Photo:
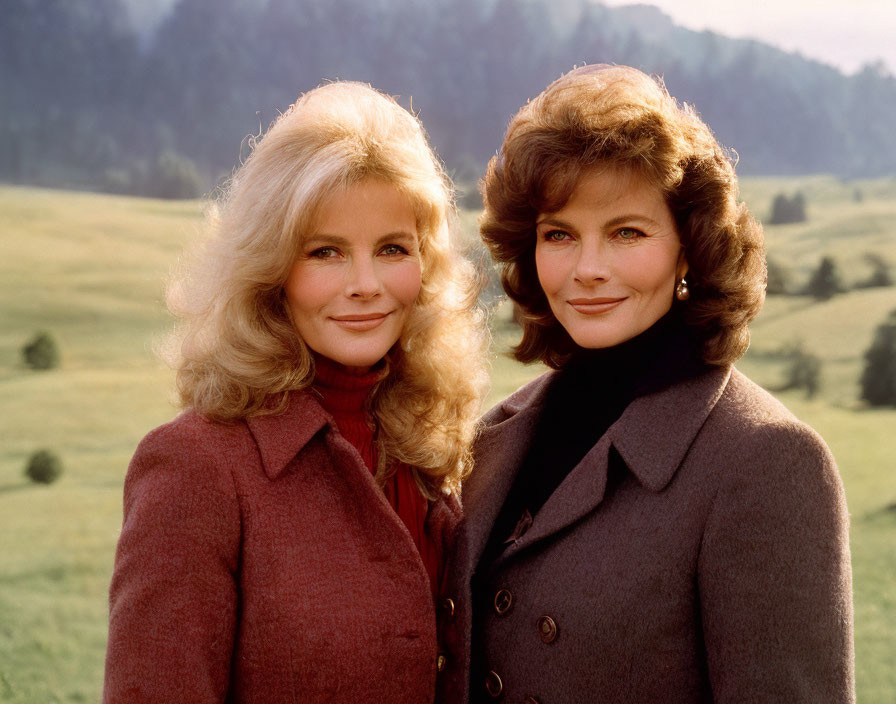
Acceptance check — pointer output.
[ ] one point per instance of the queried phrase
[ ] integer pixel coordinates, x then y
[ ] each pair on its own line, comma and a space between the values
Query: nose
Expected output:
362, 279
592, 263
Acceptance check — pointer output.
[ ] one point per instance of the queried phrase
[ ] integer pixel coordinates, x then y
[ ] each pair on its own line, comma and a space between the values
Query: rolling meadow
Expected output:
90, 270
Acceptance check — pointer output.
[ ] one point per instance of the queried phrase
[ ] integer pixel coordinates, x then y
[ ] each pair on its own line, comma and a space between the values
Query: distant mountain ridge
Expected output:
89, 101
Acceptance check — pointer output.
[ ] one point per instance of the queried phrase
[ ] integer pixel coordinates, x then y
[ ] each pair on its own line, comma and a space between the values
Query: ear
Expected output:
682, 268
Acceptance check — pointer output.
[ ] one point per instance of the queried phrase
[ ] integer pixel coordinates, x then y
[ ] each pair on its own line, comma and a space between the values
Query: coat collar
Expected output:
280, 437
652, 436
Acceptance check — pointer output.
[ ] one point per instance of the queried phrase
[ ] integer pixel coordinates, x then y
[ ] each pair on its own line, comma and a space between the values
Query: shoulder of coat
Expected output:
749, 417
528, 395
193, 435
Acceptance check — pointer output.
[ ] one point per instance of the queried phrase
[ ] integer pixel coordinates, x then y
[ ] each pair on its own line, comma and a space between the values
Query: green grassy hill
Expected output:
90, 270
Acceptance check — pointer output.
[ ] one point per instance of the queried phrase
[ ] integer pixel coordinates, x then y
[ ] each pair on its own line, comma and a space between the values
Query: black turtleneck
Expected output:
584, 399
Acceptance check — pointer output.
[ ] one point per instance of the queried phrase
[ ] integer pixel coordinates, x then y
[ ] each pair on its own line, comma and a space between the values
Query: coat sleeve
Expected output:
774, 575
173, 592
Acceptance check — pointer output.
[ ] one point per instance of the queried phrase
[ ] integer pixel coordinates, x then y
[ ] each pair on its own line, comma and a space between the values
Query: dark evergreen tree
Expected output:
825, 281
878, 380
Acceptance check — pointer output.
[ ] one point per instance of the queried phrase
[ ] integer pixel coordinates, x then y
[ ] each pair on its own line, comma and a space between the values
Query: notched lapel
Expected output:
280, 437
656, 431
652, 436
499, 451
578, 494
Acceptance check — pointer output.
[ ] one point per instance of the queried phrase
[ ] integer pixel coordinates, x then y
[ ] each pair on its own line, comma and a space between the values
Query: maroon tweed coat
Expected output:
260, 563
705, 559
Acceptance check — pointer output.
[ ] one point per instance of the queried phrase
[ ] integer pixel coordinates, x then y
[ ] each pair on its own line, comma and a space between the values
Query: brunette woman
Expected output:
284, 536
643, 524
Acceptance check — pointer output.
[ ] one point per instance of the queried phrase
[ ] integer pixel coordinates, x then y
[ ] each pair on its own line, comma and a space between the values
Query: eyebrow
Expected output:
323, 238
556, 222
632, 217
613, 222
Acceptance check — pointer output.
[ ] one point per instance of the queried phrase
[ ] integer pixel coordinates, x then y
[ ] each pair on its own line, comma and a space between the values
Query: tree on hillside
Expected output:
825, 282
878, 380
787, 210
803, 370
880, 272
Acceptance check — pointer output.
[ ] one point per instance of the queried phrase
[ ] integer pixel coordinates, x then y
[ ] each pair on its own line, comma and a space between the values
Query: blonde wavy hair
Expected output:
616, 115
236, 350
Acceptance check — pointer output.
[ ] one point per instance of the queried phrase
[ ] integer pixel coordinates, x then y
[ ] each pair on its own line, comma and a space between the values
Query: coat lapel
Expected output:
280, 436
500, 448
652, 436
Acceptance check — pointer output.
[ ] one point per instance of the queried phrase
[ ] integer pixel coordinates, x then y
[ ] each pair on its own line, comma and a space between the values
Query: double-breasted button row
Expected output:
547, 629
503, 601
493, 684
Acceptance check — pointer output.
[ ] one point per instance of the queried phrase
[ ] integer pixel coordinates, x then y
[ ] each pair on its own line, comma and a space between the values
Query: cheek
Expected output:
550, 269
305, 291
653, 272
405, 282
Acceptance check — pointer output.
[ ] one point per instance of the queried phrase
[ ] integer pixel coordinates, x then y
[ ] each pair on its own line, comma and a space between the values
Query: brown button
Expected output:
547, 629
441, 663
493, 684
503, 600
447, 605
533, 700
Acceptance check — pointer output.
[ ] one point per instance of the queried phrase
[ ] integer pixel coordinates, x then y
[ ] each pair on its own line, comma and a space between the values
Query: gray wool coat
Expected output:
706, 559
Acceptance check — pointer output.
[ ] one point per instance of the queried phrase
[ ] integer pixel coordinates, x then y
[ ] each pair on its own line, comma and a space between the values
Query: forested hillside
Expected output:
113, 95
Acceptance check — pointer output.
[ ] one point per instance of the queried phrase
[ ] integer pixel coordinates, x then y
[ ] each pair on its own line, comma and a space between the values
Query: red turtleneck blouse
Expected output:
344, 396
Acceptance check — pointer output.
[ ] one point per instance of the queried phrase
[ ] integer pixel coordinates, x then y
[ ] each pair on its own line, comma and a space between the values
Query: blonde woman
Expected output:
283, 537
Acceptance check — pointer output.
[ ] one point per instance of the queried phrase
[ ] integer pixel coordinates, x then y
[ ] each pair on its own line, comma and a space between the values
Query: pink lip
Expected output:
360, 323
594, 306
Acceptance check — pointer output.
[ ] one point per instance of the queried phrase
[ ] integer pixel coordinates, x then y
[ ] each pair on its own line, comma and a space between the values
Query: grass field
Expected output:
90, 269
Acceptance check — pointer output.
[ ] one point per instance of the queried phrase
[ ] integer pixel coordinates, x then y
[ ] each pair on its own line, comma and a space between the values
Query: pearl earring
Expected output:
681, 290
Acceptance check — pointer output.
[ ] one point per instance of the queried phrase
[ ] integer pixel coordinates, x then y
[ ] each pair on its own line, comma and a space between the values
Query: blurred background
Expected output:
118, 119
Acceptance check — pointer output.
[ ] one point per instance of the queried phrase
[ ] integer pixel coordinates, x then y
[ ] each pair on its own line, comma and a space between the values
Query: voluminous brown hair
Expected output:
237, 351
596, 116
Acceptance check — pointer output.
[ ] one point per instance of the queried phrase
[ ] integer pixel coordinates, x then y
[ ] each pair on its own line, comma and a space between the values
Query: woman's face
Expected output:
608, 260
357, 275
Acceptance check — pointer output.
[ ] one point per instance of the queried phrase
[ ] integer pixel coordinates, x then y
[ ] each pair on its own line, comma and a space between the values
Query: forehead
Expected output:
366, 206
610, 187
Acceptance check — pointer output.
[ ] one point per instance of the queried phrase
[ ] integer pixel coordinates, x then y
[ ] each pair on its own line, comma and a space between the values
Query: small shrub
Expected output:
787, 210
44, 467
825, 282
878, 380
41, 352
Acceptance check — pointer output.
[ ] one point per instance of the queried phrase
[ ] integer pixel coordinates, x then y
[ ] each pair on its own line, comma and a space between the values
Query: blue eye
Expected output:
629, 234
555, 236
393, 249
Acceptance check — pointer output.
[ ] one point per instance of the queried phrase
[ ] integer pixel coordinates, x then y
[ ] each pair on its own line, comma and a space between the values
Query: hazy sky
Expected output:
845, 33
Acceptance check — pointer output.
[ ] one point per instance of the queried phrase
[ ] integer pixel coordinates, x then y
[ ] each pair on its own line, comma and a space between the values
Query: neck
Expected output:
343, 389
658, 357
